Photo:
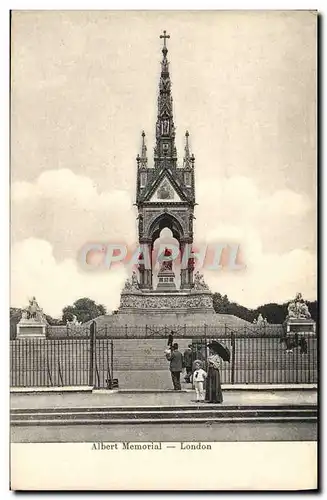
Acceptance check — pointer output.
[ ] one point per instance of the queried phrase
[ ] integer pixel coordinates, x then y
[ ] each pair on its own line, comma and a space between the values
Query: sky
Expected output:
83, 87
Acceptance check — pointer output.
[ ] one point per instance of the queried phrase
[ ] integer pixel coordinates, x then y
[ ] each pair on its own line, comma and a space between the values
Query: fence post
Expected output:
205, 343
106, 330
92, 350
233, 358
297, 359
112, 358
308, 381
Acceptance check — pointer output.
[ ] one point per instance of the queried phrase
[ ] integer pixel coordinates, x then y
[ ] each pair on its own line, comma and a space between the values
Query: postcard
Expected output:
164, 318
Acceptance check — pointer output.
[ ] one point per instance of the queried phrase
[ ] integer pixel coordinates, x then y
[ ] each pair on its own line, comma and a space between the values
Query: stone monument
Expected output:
170, 293
165, 198
33, 322
298, 319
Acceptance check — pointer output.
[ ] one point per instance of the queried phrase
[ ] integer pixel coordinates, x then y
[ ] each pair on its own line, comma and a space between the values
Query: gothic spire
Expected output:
142, 160
187, 156
188, 161
165, 151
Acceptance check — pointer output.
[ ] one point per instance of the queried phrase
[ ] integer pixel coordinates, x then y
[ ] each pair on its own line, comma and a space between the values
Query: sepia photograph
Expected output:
163, 274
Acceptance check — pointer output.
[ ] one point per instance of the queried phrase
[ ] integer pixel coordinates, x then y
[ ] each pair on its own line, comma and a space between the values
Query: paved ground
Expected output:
231, 397
165, 432
269, 372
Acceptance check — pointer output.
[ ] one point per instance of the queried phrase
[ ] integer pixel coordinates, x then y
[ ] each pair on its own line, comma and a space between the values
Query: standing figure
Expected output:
165, 127
170, 339
199, 377
187, 359
176, 366
213, 386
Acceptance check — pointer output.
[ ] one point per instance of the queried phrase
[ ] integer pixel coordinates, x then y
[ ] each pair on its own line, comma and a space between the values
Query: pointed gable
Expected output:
165, 190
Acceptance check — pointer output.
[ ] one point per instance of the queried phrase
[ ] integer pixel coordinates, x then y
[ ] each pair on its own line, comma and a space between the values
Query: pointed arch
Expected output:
162, 221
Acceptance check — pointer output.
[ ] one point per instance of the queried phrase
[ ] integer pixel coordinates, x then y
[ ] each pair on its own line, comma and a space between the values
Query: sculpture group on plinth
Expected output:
298, 309
199, 283
131, 283
260, 320
33, 321
298, 322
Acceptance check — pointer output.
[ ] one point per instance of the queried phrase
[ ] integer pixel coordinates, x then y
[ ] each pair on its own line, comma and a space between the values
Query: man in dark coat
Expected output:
176, 366
188, 359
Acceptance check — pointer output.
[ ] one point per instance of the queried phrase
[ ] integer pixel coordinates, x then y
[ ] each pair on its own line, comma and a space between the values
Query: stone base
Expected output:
156, 302
166, 281
300, 326
31, 330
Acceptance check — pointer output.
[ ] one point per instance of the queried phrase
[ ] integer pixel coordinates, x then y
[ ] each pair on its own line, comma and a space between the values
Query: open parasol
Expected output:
220, 349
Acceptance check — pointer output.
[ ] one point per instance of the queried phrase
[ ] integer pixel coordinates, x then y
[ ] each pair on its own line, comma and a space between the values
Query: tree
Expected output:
275, 313
220, 303
15, 317
84, 309
54, 321
313, 309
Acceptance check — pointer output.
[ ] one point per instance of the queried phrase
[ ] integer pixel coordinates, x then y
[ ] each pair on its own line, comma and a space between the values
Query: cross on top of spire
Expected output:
164, 50
164, 36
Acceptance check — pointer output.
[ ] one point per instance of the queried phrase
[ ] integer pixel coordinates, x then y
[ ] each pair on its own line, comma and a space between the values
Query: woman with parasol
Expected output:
213, 384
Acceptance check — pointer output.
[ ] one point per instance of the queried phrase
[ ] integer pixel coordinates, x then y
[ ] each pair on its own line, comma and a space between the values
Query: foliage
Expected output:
54, 321
15, 317
84, 309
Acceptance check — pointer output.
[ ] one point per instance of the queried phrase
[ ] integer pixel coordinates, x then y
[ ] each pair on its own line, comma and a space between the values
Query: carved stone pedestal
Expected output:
166, 281
30, 328
300, 325
156, 302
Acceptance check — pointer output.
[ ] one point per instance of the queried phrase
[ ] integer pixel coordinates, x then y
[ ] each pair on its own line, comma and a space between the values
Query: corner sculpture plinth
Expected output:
33, 322
298, 320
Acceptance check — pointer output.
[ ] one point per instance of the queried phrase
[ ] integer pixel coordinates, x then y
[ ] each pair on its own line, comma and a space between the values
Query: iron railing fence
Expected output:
267, 360
161, 331
96, 359
63, 362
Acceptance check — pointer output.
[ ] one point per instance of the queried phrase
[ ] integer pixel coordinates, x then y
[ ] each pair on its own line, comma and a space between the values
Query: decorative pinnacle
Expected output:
187, 148
143, 153
164, 36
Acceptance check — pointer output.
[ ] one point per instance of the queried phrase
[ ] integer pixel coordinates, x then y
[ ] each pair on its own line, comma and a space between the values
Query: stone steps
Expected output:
197, 413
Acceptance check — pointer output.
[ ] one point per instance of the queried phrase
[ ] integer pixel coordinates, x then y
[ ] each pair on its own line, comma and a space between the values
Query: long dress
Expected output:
213, 385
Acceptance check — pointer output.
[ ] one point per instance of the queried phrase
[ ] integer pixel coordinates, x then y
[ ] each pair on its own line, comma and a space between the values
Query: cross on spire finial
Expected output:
164, 36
